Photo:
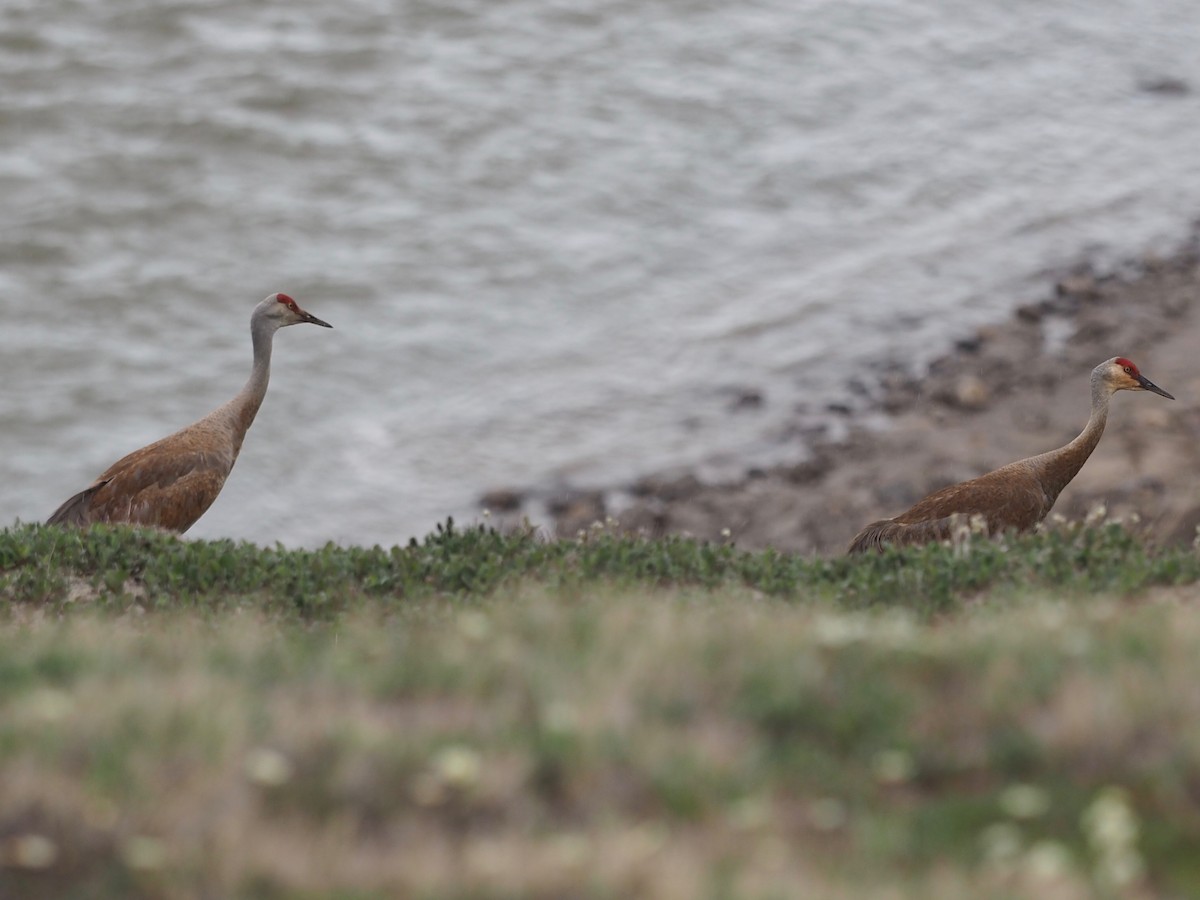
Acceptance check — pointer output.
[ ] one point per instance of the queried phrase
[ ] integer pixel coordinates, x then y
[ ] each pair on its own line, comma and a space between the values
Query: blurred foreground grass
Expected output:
490, 716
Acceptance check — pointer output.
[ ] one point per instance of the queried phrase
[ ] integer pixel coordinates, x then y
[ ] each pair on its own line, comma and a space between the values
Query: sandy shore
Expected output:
1009, 391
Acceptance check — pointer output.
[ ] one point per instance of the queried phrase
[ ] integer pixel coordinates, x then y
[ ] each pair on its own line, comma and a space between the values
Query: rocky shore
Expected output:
1008, 391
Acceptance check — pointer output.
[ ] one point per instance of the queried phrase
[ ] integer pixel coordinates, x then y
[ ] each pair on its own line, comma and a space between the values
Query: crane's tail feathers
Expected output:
74, 511
879, 534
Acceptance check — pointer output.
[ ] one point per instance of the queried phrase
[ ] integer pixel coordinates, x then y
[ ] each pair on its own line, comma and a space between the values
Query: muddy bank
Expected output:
1007, 391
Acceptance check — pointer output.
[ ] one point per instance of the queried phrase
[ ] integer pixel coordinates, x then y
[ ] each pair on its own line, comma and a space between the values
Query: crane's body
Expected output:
1015, 497
171, 483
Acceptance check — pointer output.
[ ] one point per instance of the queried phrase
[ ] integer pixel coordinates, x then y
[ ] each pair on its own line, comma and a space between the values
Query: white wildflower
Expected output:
49, 704
1024, 801
474, 625
1112, 829
838, 631
268, 767
1048, 861
33, 851
893, 766
458, 766
144, 853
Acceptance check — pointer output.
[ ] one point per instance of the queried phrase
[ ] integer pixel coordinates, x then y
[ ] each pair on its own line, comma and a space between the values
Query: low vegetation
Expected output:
481, 715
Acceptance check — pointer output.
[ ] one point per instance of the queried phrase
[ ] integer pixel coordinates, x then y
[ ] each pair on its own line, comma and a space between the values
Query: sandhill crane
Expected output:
171, 483
1017, 496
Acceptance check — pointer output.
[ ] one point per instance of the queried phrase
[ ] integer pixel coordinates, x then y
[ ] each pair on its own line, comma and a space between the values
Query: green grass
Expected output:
483, 715
114, 566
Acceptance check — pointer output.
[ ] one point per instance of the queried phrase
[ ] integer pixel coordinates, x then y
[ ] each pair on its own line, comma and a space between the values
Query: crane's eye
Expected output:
1128, 371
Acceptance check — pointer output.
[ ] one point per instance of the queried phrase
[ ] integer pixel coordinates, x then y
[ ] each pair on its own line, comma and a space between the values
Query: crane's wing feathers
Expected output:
879, 534
75, 510
169, 488
1008, 499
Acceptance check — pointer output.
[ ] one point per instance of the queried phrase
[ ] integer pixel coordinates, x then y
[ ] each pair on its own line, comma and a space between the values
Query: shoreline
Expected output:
1010, 390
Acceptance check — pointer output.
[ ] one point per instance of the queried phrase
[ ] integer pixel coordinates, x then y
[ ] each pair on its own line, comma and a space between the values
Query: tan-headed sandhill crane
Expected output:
1017, 496
171, 483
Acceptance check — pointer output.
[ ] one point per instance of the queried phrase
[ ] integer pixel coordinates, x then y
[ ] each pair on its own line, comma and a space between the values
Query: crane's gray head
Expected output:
1120, 374
281, 310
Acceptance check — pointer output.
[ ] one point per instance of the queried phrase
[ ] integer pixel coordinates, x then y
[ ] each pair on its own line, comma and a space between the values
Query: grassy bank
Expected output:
491, 716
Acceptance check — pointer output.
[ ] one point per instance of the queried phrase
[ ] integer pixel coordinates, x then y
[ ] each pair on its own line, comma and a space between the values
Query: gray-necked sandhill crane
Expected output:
169, 484
1017, 496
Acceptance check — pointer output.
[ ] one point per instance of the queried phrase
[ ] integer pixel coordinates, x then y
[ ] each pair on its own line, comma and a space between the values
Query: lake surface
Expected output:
555, 239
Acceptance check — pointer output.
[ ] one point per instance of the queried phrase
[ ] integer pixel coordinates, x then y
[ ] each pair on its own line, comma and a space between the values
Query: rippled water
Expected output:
554, 238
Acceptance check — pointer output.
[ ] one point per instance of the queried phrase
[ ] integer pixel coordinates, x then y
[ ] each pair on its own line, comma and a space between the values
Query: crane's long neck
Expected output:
242, 409
1061, 465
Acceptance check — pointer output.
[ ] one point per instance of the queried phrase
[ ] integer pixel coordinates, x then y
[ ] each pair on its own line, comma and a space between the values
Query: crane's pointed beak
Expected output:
313, 320
1148, 385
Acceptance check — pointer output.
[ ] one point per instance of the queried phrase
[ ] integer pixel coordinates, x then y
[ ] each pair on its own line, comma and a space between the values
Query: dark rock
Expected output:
664, 487
900, 391
1167, 86
746, 399
969, 344
808, 471
943, 364
1154, 262
741, 397
502, 500
1083, 286
1031, 312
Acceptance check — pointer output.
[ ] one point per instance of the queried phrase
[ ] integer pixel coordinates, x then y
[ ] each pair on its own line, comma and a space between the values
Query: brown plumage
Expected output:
1017, 496
171, 483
